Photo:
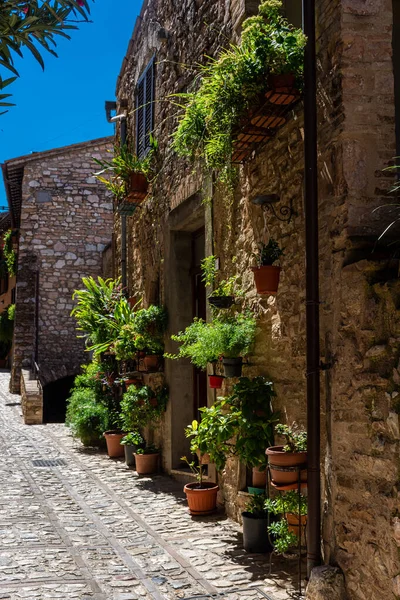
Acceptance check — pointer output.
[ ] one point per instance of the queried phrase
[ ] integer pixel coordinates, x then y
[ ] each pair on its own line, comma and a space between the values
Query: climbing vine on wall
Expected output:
9, 253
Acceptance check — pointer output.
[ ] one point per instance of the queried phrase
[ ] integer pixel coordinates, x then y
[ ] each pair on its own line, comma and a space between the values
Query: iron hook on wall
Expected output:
267, 202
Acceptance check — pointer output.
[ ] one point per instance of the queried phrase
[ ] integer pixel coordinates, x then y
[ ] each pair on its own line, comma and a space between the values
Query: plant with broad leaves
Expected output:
269, 253
34, 25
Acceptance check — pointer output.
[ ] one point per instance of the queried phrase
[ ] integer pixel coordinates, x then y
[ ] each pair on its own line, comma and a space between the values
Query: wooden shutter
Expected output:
145, 109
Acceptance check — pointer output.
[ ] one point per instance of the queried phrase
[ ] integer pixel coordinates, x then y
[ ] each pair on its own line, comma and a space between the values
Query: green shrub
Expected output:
87, 417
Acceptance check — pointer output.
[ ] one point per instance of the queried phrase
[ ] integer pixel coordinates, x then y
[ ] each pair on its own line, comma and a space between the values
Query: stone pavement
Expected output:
83, 526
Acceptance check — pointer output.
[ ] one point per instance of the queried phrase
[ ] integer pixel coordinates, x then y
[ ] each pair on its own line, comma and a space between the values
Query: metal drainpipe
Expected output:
124, 278
312, 290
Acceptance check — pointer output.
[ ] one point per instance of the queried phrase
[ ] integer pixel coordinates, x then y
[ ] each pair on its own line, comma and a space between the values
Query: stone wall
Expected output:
31, 399
66, 223
359, 310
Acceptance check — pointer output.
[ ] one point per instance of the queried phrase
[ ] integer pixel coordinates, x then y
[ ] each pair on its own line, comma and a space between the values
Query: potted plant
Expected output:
291, 525
292, 454
235, 337
132, 442
255, 526
201, 495
199, 343
128, 174
146, 459
148, 327
223, 296
232, 84
142, 407
266, 274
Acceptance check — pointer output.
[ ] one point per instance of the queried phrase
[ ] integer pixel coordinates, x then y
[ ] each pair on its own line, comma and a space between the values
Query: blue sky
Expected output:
65, 103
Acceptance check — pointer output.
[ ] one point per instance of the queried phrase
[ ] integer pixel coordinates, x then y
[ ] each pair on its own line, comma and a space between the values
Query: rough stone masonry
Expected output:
66, 224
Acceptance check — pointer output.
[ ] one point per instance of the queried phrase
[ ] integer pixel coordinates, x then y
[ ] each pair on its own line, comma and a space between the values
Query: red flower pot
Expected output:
259, 478
146, 463
267, 279
216, 381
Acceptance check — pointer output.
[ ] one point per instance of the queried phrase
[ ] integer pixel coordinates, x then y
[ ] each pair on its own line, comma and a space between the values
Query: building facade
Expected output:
358, 104
64, 218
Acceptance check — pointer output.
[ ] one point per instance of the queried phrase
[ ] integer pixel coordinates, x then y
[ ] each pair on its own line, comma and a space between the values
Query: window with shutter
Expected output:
145, 109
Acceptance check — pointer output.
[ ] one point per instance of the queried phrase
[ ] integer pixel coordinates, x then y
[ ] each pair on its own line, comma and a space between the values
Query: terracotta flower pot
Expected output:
201, 501
113, 441
267, 279
294, 522
146, 463
216, 381
282, 90
138, 187
259, 478
151, 362
277, 457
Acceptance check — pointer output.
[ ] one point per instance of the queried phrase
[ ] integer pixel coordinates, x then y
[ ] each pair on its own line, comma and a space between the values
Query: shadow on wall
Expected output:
55, 396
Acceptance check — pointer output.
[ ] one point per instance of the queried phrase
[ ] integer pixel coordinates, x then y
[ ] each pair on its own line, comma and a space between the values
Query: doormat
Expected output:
254, 593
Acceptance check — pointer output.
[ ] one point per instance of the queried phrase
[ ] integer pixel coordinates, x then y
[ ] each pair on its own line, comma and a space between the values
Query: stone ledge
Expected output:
31, 399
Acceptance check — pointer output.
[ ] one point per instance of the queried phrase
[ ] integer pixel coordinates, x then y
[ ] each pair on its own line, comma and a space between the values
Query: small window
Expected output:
145, 109
294, 12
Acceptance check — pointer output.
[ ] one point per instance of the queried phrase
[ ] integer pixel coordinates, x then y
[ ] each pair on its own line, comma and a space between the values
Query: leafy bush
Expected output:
86, 416
235, 334
11, 312
142, 407
6, 327
232, 84
239, 425
285, 504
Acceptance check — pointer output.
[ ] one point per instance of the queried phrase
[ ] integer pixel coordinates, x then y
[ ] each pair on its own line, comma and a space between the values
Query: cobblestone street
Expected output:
85, 526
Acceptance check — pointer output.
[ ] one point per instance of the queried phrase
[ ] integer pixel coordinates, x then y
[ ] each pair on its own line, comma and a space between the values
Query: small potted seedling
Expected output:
266, 274
132, 442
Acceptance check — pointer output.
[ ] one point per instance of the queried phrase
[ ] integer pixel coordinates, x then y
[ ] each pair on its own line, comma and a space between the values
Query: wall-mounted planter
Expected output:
201, 501
113, 441
233, 366
277, 457
216, 381
282, 90
138, 188
266, 279
221, 301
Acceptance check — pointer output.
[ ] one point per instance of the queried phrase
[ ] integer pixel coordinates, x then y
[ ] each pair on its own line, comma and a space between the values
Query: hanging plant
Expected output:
233, 83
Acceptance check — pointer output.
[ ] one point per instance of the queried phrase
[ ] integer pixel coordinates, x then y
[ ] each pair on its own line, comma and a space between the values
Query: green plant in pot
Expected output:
132, 442
293, 520
125, 175
224, 292
256, 521
235, 338
199, 343
141, 408
201, 495
235, 83
292, 454
149, 325
252, 398
266, 274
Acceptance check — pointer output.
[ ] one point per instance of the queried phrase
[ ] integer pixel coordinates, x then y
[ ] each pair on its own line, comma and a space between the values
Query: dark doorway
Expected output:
396, 68
199, 310
55, 396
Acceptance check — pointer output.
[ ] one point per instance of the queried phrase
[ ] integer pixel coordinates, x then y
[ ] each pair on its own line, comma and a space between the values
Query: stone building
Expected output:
64, 218
359, 117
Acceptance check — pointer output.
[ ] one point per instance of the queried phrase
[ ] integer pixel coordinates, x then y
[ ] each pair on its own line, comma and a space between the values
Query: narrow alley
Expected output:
70, 528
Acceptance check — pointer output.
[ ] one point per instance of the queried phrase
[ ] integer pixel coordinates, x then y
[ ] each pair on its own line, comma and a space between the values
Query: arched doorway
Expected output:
55, 396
